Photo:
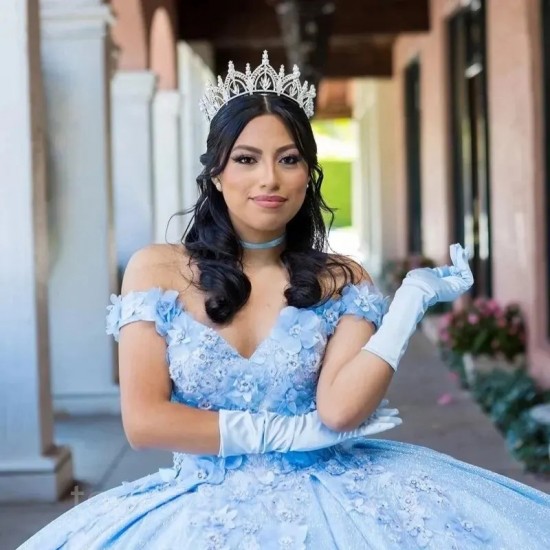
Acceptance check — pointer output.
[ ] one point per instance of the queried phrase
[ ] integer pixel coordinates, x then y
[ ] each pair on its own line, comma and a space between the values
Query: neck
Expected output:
263, 245
262, 253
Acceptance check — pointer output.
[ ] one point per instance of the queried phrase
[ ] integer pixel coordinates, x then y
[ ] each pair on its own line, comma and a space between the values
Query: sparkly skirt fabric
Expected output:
375, 494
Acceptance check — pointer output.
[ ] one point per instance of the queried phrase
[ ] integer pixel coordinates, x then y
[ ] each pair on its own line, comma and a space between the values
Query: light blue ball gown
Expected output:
365, 494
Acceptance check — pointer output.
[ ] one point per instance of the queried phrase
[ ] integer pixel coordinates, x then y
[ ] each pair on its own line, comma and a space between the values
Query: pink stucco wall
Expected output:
516, 154
430, 48
145, 31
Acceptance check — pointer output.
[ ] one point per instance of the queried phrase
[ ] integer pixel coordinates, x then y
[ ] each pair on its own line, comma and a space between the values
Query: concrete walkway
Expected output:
103, 459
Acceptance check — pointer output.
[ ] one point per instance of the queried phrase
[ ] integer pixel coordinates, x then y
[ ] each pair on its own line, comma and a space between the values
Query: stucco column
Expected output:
166, 166
31, 466
189, 153
76, 68
374, 180
132, 93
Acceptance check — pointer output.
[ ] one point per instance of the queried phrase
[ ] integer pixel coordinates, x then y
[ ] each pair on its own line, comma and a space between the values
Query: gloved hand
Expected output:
446, 283
420, 289
243, 432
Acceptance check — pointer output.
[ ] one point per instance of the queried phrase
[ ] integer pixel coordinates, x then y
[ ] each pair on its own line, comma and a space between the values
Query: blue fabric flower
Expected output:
167, 309
180, 332
330, 313
155, 305
200, 469
284, 536
297, 329
113, 317
366, 301
245, 390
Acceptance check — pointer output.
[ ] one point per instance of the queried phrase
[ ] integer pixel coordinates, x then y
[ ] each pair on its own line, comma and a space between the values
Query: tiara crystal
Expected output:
264, 79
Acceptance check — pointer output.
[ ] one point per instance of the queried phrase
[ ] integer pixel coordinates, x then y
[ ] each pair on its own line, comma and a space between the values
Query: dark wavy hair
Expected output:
213, 244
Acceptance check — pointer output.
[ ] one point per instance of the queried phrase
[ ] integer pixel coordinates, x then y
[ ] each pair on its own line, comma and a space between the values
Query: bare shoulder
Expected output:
157, 265
344, 270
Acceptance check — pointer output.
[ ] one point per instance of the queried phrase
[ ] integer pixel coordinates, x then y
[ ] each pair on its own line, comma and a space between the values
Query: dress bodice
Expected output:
208, 373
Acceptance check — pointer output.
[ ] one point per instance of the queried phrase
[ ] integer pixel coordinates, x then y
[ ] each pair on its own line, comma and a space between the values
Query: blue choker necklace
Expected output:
262, 246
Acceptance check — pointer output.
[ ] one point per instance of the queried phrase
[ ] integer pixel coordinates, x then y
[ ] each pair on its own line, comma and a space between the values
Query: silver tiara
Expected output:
264, 79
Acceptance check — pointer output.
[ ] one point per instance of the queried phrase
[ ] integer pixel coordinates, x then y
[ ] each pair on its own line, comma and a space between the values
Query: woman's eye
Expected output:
291, 159
244, 159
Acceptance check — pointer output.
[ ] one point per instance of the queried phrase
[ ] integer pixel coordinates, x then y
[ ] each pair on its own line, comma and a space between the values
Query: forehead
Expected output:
265, 131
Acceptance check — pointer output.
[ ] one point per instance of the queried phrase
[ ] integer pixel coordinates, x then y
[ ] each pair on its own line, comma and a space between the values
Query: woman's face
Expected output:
265, 179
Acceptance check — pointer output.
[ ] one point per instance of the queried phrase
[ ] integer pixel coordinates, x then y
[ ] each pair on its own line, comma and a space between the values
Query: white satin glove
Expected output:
420, 289
243, 432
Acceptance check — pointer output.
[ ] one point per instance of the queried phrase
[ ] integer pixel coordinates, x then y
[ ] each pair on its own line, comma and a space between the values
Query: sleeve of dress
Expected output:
366, 301
155, 305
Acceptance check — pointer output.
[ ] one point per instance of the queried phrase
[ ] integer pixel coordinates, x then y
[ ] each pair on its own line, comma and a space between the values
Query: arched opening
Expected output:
163, 50
129, 34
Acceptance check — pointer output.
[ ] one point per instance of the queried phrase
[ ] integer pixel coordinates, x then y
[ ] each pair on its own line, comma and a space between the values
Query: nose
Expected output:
268, 176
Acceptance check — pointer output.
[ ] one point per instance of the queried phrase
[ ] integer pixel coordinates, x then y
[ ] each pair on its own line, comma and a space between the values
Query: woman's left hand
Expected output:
445, 283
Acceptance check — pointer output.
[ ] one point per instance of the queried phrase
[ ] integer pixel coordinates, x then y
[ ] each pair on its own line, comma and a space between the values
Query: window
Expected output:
412, 129
545, 4
470, 163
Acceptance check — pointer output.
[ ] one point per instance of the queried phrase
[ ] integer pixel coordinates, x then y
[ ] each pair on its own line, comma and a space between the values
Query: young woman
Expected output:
262, 361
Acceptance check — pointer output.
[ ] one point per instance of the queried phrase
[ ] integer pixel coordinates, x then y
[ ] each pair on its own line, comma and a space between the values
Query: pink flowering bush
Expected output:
484, 328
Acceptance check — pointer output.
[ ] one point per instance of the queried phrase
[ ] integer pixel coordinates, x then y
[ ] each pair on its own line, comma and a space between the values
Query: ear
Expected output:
216, 181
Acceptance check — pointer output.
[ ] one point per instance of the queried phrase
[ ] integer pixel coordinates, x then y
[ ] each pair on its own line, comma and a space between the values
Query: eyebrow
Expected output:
259, 151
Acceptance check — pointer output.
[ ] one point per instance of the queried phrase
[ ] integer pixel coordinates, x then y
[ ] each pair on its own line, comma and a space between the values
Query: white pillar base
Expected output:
40, 479
88, 404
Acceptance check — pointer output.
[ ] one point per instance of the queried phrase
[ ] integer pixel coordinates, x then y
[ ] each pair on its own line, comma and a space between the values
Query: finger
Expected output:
459, 257
388, 420
459, 283
379, 427
442, 271
386, 412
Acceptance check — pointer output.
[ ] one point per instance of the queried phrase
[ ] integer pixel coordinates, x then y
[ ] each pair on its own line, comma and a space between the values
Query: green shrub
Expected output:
336, 190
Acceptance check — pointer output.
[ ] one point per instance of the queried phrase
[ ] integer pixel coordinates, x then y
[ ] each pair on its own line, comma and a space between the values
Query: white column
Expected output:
75, 62
31, 466
191, 132
187, 181
166, 166
131, 94
374, 181
206, 77
200, 126
366, 209
391, 217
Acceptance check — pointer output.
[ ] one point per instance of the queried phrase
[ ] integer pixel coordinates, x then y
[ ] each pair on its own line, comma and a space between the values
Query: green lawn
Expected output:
336, 190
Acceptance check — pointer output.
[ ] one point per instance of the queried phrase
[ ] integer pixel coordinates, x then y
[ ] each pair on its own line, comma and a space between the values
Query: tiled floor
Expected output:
103, 459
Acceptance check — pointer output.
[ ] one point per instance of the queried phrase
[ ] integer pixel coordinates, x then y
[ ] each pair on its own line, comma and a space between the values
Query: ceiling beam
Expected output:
256, 20
306, 27
342, 61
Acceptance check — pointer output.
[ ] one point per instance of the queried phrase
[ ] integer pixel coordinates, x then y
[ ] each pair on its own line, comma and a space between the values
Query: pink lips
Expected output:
269, 201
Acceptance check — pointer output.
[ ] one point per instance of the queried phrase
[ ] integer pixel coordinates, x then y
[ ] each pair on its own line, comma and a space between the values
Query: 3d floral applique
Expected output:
297, 329
365, 301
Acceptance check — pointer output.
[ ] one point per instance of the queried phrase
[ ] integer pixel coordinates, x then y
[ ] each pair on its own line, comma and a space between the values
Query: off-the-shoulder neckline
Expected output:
161, 291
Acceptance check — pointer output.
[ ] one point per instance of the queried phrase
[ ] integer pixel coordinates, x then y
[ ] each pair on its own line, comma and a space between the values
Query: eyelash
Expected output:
239, 159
